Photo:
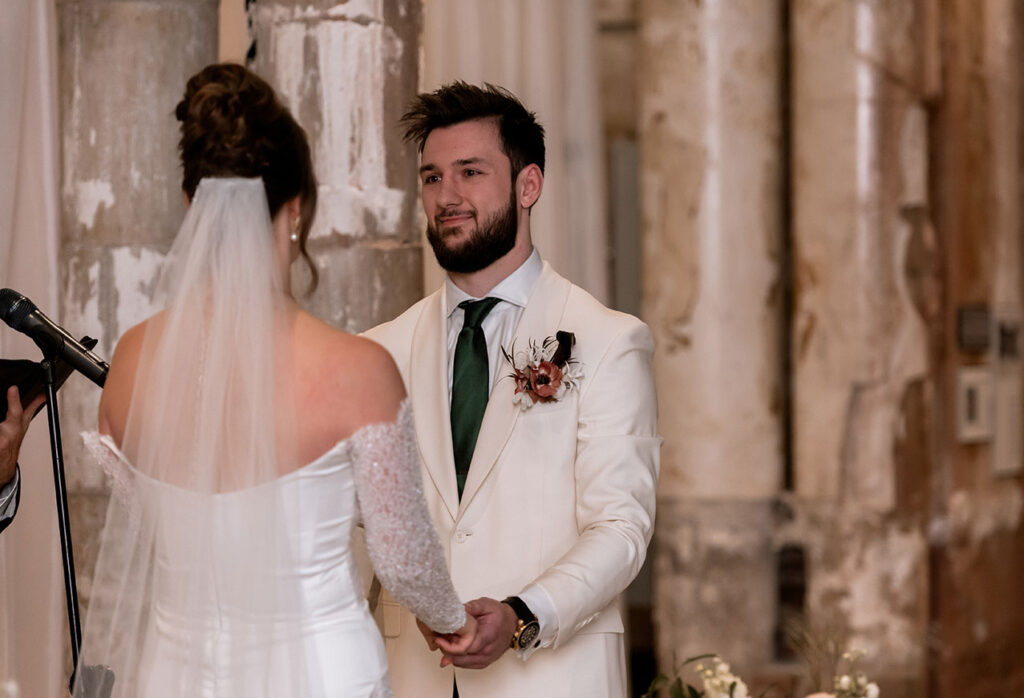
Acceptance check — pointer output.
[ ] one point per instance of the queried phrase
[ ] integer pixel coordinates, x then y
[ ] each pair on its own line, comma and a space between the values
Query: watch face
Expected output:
529, 634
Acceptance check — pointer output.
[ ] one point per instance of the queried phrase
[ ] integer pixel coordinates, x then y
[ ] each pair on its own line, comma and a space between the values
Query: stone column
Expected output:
122, 68
862, 240
347, 71
710, 119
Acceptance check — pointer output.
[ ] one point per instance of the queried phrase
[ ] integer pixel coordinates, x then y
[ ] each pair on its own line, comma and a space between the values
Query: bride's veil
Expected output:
203, 412
196, 543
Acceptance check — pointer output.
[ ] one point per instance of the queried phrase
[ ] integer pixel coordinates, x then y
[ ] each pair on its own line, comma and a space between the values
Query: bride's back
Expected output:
327, 384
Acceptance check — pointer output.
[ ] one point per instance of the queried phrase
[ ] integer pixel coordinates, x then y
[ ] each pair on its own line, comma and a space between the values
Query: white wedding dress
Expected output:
252, 635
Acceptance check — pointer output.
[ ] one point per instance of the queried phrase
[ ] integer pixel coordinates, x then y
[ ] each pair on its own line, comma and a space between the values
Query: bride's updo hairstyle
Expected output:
233, 125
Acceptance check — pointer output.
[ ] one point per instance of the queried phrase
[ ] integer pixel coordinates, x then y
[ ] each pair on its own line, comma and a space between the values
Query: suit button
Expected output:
461, 536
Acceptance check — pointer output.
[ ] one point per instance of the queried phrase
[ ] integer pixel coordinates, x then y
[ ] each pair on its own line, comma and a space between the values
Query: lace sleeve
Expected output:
400, 536
120, 475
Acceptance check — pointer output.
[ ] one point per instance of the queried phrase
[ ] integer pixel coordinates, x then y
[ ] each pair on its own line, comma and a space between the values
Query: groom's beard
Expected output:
487, 243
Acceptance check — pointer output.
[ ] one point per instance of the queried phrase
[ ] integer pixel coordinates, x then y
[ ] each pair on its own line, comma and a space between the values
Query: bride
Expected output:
245, 439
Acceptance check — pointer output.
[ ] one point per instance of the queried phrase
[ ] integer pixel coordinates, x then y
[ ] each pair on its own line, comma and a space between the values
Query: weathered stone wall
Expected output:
122, 68
348, 70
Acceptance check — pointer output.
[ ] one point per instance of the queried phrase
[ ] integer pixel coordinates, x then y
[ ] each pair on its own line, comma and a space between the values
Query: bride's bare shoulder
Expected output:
358, 375
117, 390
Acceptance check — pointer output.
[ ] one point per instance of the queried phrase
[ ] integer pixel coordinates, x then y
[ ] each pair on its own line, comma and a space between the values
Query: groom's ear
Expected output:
529, 184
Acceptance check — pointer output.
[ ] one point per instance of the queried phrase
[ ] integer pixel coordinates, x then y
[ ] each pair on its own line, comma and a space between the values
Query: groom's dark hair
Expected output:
522, 138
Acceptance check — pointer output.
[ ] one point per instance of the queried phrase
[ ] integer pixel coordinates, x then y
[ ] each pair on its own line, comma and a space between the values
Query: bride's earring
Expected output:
295, 229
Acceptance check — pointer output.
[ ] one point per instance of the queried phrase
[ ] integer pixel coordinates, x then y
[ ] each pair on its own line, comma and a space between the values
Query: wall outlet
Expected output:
974, 404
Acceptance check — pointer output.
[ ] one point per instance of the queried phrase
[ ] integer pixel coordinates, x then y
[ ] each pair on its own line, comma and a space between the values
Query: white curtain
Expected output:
32, 604
546, 54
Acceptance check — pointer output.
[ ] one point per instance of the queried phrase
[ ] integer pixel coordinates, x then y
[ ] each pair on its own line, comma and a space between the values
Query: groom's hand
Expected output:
496, 624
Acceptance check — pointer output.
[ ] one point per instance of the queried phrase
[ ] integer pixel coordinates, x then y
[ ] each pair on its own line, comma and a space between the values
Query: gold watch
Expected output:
528, 627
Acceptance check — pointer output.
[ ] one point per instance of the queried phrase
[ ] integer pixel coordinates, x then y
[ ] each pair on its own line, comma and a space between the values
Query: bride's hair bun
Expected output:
233, 125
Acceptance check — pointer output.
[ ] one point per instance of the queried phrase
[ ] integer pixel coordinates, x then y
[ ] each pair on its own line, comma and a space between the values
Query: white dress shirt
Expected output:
7, 497
499, 329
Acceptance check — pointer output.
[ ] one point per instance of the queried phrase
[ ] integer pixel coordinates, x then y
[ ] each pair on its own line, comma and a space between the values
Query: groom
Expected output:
542, 485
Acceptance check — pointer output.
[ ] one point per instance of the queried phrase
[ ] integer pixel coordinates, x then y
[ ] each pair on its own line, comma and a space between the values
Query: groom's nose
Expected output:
448, 193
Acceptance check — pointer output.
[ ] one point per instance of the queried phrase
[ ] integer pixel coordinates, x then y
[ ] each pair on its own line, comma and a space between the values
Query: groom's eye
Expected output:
470, 173
431, 179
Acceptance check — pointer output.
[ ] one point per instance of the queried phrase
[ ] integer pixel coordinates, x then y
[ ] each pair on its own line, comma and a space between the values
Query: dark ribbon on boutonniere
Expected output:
564, 351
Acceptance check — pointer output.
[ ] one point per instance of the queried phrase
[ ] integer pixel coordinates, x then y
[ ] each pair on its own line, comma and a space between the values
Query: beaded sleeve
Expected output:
119, 473
400, 536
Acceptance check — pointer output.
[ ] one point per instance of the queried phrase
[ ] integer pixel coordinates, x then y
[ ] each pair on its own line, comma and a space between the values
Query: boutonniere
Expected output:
544, 371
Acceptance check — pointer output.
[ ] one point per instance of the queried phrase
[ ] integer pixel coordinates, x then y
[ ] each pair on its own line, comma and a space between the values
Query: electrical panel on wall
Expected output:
990, 391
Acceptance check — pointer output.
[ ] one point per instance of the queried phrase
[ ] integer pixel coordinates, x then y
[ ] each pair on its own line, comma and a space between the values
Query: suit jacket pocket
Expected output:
546, 410
392, 619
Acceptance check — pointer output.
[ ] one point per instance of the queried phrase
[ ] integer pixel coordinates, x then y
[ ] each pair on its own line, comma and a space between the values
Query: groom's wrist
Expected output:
526, 627
511, 623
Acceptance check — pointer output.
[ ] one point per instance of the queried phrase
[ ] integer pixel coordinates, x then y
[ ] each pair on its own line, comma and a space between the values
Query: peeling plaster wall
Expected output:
348, 69
122, 68
859, 145
861, 336
713, 580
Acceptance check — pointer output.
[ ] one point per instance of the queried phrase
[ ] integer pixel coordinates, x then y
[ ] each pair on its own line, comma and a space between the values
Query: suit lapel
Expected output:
540, 319
428, 386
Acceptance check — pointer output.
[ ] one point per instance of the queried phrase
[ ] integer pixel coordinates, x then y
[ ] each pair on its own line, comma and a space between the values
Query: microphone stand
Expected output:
96, 681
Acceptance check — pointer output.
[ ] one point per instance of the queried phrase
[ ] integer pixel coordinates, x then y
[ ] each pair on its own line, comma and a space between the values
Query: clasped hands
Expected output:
486, 635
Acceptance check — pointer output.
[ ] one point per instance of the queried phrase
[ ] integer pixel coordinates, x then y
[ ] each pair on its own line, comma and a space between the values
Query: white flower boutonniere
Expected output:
544, 371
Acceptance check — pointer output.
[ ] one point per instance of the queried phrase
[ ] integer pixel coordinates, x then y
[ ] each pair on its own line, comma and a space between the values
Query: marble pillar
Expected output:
122, 67
347, 70
710, 116
861, 229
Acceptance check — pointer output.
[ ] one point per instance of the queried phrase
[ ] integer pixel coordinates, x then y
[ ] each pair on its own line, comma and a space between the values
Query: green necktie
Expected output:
470, 385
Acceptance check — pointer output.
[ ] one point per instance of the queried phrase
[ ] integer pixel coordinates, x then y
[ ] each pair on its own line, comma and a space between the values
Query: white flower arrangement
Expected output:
854, 684
718, 681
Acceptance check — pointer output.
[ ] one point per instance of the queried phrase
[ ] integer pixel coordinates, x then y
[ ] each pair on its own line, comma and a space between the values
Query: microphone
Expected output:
23, 315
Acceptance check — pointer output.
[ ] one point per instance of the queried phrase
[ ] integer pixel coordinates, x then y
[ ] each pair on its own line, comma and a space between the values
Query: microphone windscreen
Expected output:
14, 307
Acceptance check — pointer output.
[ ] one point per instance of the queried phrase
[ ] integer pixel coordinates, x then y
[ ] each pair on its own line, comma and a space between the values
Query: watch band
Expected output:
522, 611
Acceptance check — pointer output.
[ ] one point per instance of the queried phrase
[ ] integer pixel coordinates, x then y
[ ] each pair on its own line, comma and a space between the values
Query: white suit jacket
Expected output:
561, 494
